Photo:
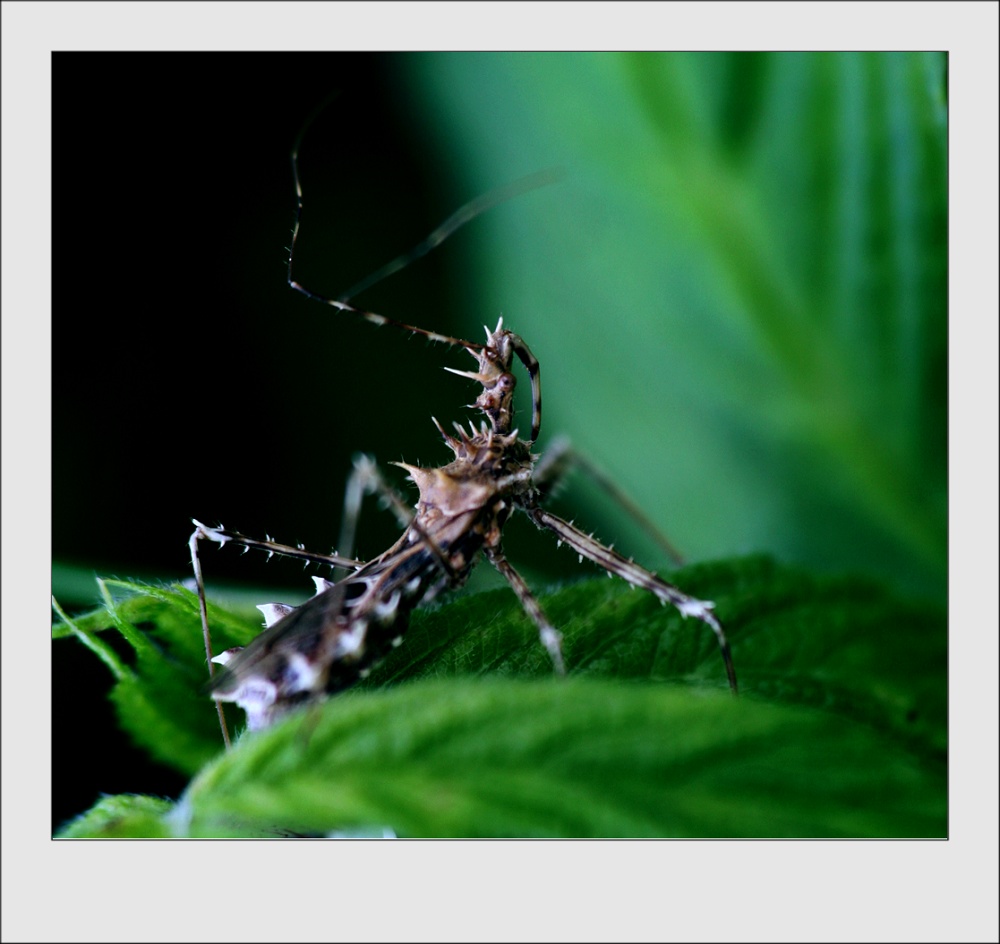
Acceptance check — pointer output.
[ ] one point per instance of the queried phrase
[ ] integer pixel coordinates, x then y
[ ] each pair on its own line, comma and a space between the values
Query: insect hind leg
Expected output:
586, 546
559, 461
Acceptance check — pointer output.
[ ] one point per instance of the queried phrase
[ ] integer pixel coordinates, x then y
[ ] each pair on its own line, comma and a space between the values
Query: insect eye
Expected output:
506, 381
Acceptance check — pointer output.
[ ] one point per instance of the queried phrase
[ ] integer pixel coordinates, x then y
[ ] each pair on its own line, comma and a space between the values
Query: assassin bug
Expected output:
333, 639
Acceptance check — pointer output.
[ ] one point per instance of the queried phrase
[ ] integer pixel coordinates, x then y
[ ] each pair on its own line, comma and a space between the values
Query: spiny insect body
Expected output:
333, 639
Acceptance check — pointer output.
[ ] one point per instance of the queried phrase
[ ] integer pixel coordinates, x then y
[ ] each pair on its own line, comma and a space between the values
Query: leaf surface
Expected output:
464, 730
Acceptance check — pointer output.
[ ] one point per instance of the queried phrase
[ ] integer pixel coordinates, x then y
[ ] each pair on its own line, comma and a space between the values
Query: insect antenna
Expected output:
340, 303
458, 219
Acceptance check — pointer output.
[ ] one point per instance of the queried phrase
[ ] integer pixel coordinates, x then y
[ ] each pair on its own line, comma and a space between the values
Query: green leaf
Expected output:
160, 699
573, 758
126, 816
839, 679
843, 643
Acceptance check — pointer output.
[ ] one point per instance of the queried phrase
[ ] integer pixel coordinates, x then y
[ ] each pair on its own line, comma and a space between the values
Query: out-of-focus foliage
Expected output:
738, 296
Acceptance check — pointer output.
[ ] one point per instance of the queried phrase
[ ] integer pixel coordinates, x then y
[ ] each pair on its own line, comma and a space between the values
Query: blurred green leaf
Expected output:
738, 297
583, 757
127, 816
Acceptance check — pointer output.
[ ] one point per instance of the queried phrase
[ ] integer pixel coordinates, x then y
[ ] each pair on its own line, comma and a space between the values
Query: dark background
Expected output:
188, 379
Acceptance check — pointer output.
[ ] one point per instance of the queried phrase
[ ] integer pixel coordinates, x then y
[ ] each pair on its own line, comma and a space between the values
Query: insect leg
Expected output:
550, 636
559, 461
366, 479
614, 563
530, 363
222, 536
206, 634
354, 493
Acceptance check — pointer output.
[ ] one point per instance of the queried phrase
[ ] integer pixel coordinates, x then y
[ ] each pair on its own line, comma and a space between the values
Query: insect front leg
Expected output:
586, 546
221, 536
558, 462
366, 479
551, 638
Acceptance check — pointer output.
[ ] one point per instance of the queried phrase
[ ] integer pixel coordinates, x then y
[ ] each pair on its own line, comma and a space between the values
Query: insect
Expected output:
334, 639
